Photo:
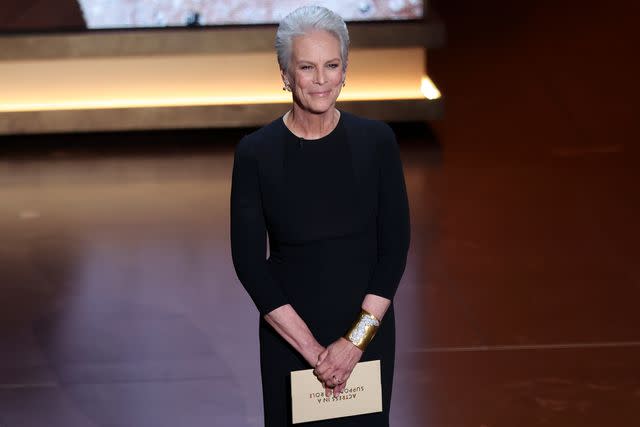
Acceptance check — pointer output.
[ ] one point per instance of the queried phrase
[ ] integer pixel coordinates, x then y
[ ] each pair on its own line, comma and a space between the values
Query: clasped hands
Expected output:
335, 364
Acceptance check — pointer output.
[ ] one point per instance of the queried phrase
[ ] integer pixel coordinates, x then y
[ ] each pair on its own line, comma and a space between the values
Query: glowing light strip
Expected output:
427, 90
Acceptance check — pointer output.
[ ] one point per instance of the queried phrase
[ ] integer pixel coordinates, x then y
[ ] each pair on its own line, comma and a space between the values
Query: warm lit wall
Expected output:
213, 79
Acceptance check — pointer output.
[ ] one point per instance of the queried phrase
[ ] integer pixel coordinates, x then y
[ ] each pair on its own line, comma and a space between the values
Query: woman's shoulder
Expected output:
352, 119
261, 138
367, 129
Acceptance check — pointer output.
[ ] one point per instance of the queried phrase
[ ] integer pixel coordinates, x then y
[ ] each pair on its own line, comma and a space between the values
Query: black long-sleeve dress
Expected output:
336, 213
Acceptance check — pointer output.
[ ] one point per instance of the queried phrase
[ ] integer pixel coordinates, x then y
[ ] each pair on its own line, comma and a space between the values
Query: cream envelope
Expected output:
362, 395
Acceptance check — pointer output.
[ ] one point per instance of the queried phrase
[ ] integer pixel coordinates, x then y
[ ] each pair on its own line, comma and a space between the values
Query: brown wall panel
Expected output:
21, 15
558, 64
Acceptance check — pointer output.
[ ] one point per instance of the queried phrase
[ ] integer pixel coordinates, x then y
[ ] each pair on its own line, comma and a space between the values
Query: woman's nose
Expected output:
320, 78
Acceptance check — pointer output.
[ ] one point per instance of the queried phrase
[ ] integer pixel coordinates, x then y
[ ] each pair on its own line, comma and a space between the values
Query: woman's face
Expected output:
315, 73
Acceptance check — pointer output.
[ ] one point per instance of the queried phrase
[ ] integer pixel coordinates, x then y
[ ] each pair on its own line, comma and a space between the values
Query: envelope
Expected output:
362, 394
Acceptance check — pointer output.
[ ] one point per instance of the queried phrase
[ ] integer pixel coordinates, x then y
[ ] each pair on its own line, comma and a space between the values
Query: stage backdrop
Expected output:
111, 65
20, 15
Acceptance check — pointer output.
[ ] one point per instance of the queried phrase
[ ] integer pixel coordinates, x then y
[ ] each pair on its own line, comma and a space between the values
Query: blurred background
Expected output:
119, 305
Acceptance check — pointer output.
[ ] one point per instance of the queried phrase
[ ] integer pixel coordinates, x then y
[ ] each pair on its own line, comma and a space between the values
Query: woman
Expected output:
328, 189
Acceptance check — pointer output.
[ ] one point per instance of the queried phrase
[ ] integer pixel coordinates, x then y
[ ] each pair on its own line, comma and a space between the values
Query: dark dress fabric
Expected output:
336, 214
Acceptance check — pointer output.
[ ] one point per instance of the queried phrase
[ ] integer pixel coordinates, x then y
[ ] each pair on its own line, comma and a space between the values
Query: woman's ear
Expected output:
285, 80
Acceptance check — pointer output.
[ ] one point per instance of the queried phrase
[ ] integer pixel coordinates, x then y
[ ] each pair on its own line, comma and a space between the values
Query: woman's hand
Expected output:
335, 365
312, 353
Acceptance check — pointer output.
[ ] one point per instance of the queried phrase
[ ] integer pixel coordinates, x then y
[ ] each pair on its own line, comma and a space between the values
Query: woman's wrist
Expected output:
376, 305
311, 352
353, 348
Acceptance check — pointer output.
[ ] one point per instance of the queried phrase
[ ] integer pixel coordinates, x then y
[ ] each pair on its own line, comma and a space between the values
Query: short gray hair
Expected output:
304, 20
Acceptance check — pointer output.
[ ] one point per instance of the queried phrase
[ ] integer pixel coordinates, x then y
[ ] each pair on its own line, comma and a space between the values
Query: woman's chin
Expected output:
315, 104
321, 106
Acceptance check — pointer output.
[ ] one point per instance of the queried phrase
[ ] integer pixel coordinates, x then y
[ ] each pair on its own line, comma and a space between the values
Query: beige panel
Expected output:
181, 80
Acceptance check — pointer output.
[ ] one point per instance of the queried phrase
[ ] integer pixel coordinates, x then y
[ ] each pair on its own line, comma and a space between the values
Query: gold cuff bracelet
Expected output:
363, 330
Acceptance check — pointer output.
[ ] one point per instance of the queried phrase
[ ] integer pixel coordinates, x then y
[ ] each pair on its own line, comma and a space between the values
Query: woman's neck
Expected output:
309, 125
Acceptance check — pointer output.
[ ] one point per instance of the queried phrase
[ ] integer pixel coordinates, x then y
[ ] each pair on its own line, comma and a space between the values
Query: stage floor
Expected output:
120, 305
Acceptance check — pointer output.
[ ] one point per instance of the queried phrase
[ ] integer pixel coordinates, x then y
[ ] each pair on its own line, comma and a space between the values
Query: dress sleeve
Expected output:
392, 221
249, 234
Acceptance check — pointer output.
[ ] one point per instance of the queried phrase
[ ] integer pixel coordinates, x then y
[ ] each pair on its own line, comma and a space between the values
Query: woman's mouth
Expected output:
320, 94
